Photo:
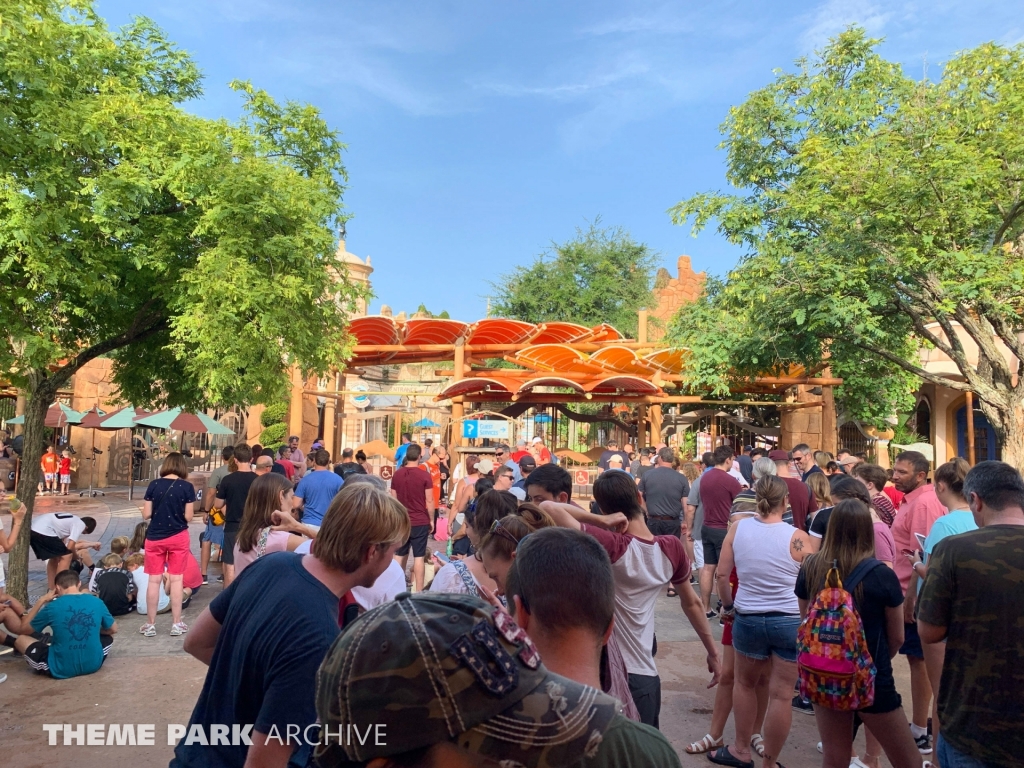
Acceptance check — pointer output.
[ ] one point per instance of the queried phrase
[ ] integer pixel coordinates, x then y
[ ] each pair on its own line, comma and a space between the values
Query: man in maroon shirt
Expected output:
801, 498
717, 490
414, 489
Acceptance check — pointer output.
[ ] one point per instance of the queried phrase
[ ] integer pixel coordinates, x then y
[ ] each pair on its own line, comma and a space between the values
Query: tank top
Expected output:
766, 570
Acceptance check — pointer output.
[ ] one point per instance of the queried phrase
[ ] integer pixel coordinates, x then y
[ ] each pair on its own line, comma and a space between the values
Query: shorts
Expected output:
911, 642
172, 552
887, 698
713, 539
65, 479
698, 553
46, 547
758, 636
213, 533
227, 549
50, 476
665, 526
38, 654
417, 541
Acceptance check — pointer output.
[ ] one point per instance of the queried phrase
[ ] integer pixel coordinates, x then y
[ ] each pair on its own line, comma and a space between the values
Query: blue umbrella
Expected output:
425, 424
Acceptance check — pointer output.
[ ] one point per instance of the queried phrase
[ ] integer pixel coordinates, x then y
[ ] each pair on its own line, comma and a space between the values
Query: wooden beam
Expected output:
971, 457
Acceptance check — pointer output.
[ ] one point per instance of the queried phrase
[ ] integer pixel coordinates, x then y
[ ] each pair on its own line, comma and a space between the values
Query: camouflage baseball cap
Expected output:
431, 667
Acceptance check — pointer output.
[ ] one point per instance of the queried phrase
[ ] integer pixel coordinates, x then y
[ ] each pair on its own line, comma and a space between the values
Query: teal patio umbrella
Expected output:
57, 415
184, 421
425, 424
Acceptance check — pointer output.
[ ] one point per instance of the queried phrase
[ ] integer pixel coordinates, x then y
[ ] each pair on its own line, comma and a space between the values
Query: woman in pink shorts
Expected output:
168, 508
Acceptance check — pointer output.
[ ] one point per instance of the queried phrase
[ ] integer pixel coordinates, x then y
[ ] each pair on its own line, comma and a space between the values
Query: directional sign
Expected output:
470, 428
387, 472
497, 429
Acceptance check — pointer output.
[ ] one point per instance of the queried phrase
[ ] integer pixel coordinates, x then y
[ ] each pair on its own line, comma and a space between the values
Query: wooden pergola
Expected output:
580, 363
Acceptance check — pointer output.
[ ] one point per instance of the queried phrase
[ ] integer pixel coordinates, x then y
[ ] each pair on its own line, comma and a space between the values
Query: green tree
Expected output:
198, 254
599, 276
881, 216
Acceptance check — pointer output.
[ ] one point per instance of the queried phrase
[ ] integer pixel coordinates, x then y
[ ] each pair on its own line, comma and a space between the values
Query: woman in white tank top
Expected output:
767, 554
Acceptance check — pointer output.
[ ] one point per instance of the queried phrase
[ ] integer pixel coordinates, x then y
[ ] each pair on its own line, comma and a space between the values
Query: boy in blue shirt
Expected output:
82, 630
317, 489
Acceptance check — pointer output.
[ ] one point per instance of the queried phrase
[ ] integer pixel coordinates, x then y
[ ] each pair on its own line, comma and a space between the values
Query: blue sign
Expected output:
492, 429
543, 418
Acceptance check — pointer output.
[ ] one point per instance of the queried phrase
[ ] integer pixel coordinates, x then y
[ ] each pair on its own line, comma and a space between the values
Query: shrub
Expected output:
275, 433
274, 414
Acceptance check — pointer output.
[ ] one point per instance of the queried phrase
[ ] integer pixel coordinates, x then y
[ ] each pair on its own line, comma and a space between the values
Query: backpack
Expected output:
835, 667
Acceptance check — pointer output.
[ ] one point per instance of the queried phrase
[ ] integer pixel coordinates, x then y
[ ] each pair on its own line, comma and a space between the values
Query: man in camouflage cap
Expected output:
448, 680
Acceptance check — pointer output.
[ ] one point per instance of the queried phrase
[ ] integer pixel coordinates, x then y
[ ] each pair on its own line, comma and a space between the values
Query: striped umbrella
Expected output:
184, 421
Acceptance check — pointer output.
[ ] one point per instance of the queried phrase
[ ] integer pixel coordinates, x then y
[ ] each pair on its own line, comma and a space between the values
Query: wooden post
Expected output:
295, 404
971, 458
331, 420
458, 409
641, 333
655, 416
641, 425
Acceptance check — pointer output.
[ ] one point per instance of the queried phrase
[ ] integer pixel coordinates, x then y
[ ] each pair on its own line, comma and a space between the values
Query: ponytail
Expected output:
771, 492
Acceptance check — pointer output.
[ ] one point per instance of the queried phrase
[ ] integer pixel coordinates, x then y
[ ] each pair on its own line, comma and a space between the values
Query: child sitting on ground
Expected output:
115, 586
118, 546
135, 564
138, 542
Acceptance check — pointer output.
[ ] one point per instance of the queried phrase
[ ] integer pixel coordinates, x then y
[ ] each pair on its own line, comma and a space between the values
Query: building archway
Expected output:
923, 420
986, 447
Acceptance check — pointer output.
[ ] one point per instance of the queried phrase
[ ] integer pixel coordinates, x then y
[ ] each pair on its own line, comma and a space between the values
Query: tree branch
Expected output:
906, 365
133, 334
1007, 223
1007, 334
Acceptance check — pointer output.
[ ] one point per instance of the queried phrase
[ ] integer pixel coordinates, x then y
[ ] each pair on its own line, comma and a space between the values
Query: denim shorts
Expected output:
758, 636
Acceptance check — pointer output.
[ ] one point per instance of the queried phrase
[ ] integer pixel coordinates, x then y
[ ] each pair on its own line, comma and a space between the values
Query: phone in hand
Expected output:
908, 552
442, 557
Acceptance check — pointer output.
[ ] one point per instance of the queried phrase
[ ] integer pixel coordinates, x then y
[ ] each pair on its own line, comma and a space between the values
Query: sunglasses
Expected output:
505, 533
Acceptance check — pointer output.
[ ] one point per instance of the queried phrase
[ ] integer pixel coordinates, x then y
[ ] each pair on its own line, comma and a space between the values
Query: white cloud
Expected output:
833, 16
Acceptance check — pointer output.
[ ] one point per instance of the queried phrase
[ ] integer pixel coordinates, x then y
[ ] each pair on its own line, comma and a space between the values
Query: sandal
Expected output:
757, 744
705, 745
672, 593
723, 756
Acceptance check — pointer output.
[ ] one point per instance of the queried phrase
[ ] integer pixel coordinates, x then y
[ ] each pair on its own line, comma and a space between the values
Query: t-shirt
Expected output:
629, 744
115, 587
973, 587
62, 525
641, 570
213, 481
819, 525
65, 465
957, 521
434, 470
386, 588
810, 472
400, 454
693, 500
409, 485
346, 468
76, 621
664, 490
234, 489
169, 497
277, 541
885, 547
277, 623
606, 455
918, 512
317, 490
717, 490
141, 579
896, 497
801, 501
746, 468
49, 463
881, 590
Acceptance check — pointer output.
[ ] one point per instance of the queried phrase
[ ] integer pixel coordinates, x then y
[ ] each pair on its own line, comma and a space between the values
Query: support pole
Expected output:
331, 420
641, 334
641, 425
458, 409
655, 416
971, 458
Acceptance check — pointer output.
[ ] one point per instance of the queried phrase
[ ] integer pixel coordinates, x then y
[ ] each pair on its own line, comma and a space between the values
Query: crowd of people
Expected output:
533, 641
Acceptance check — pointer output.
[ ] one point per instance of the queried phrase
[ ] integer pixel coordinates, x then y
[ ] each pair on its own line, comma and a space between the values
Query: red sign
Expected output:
387, 472
582, 477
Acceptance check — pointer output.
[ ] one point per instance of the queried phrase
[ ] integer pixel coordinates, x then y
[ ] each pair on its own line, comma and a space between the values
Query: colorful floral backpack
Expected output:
836, 668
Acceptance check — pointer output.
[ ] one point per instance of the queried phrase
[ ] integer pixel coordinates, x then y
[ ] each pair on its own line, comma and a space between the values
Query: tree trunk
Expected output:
1013, 437
36, 404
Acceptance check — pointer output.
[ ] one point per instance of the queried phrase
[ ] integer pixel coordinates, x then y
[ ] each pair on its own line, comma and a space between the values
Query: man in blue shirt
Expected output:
82, 630
318, 488
400, 453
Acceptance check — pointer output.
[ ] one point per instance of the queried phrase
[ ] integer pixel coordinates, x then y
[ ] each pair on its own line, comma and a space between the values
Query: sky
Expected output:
480, 132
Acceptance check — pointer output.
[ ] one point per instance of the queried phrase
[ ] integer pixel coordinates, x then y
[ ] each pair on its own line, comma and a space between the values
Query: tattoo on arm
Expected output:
798, 545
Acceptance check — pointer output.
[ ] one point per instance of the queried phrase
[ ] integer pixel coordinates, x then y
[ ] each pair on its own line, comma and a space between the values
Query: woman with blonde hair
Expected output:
819, 485
259, 534
169, 503
467, 575
766, 553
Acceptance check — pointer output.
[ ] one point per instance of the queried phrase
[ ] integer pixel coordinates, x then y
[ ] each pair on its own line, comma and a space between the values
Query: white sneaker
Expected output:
148, 630
179, 629
819, 746
858, 763
3, 677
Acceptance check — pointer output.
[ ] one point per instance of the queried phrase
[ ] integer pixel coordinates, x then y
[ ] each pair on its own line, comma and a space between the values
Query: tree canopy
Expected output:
880, 216
599, 276
197, 253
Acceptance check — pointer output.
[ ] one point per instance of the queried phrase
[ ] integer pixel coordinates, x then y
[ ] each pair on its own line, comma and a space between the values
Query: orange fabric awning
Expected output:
433, 331
556, 358
494, 330
633, 385
621, 360
559, 333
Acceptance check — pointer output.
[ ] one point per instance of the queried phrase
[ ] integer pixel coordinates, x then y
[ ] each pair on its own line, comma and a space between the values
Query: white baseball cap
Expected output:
538, 439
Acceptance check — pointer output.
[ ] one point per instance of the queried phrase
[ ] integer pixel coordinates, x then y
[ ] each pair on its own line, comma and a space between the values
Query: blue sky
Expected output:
479, 132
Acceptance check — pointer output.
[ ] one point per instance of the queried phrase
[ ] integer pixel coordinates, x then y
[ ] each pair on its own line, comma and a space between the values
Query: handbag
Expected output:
217, 516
